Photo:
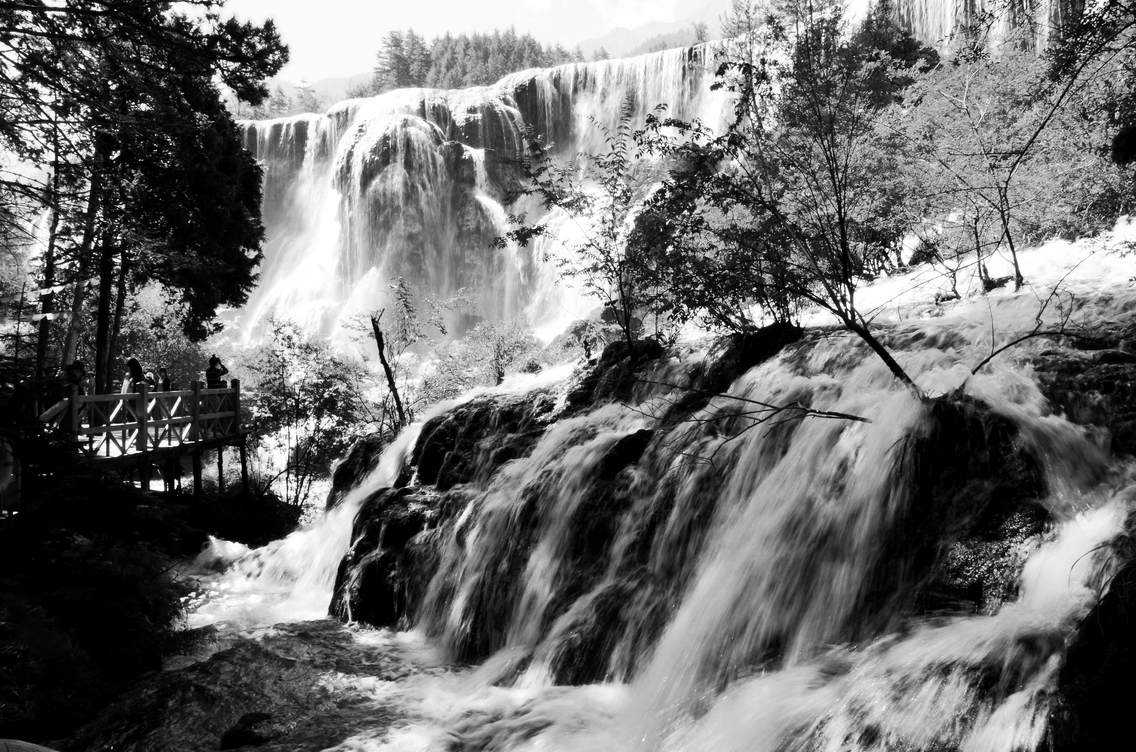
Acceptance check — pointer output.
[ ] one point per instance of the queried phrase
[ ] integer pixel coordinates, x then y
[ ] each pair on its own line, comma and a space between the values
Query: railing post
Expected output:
236, 386
142, 412
73, 422
194, 411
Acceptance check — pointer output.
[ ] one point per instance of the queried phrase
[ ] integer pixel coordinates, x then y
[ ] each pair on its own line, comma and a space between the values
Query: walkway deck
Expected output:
150, 429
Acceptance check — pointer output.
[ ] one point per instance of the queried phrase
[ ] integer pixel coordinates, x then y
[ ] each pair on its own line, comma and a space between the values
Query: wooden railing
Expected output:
116, 425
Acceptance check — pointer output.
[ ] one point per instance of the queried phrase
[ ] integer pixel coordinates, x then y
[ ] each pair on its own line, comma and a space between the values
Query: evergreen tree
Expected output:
405, 59
156, 185
279, 104
392, 67
307, 100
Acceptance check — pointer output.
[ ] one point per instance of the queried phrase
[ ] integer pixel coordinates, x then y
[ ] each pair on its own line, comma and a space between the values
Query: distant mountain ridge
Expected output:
624, 41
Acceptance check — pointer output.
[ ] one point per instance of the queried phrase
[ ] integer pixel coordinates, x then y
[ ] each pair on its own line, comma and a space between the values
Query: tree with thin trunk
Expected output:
392, 384
804, 190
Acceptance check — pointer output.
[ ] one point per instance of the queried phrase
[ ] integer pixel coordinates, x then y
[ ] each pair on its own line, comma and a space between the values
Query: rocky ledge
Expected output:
957, 542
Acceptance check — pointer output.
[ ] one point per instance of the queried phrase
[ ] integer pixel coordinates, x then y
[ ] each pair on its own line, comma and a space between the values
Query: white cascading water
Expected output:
775, 566
935, 21
290, 579
418, 183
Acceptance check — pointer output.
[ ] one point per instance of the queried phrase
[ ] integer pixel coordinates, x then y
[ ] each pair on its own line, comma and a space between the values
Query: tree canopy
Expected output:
114, 111
406, 59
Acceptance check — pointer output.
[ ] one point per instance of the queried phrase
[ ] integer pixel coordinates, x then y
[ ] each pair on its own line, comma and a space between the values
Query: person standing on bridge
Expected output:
214, 373
163, 380
134, 378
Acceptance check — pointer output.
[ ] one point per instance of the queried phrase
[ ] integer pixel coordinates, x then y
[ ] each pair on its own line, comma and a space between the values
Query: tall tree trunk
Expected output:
103, 316
1005, 214
83, 268
119, 303
47, 299
983, 277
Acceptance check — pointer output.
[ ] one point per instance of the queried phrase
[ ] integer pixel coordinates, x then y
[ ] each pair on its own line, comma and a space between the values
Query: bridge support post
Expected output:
221, 469
244, 467
74, 419
196, 475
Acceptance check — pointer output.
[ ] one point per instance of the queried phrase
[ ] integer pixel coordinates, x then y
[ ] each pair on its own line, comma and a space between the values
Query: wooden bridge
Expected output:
140, 431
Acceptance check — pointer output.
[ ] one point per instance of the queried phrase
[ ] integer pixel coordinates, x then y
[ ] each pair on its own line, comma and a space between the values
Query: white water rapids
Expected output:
794, 530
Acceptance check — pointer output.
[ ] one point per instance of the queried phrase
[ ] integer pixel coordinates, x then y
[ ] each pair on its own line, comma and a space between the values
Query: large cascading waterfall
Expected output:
936, 21
810, 583
418, 184
636, 566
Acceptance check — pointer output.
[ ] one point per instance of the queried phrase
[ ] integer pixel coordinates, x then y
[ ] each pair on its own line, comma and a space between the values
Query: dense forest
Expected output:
130, 215
455, 61
407, 59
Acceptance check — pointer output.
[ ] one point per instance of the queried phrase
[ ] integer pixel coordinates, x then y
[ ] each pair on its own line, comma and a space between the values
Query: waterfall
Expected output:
635, 567
418, 184
290, 579
936, 21
638, 554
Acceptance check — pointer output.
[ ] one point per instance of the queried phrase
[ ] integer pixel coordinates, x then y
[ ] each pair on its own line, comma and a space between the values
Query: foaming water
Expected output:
646, 579
928, 688
290, 579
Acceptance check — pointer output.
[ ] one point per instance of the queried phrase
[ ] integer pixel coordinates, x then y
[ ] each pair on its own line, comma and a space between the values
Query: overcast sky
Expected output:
339, 37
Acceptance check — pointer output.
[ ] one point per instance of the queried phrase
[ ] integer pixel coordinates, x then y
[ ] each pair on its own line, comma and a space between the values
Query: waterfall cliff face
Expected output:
935, 21
418, 184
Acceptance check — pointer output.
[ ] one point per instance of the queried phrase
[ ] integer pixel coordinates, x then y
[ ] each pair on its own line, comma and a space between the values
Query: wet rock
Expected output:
970, 513
1095, 691
268, 689
252, 730
614, 376
625, 451
471, 441
1094, 389
735, 354
980, 571
361, 459
729, 359
583, 641
382, 579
